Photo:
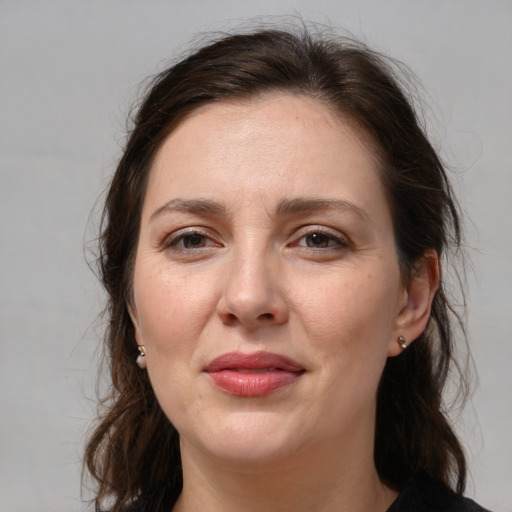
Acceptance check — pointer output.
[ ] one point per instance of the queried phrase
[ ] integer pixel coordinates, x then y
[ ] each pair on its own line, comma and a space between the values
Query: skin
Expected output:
291, 251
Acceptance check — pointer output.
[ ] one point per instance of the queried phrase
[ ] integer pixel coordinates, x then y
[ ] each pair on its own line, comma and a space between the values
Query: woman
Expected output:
271, 250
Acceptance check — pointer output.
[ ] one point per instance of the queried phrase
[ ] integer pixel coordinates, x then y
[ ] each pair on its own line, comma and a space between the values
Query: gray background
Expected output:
68, 72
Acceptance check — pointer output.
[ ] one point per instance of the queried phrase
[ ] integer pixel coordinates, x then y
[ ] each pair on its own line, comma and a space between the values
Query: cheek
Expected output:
348, 315
348, 324
172, 311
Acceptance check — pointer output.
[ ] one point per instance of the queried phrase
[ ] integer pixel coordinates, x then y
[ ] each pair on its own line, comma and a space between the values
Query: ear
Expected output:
415, 309
133, 315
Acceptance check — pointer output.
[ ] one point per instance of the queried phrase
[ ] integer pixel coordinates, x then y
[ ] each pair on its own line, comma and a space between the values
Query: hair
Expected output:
133, 452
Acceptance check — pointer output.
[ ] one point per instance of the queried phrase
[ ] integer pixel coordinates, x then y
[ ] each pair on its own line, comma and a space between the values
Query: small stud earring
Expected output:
141, 358
402, 342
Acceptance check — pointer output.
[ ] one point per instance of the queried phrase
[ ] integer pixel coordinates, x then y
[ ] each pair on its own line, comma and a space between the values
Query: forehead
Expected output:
276, 145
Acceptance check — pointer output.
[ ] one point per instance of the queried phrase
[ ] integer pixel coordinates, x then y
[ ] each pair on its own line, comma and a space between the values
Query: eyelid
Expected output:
172, 239
342, 240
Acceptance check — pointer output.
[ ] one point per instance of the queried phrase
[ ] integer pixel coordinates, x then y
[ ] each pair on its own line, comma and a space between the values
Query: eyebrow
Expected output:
285, 207
311, 204
204, 206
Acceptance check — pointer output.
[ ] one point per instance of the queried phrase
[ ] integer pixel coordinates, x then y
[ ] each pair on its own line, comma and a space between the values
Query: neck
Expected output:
323, 482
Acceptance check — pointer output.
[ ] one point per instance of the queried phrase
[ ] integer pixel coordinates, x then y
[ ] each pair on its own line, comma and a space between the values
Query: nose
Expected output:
252, 296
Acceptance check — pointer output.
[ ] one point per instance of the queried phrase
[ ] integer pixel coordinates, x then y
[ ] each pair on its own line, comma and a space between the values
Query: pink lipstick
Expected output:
252, 375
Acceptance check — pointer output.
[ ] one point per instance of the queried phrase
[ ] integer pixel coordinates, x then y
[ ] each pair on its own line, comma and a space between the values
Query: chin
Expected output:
248, 440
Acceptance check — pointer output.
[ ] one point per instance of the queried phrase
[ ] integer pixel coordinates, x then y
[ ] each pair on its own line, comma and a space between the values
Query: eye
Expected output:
189, 241
320, 239
192, 241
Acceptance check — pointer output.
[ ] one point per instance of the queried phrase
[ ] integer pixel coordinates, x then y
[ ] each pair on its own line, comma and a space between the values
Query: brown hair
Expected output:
134, 449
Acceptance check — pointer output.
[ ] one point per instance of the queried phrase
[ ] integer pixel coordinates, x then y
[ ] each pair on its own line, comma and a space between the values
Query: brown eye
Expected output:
193, 241
318, 240
190, 240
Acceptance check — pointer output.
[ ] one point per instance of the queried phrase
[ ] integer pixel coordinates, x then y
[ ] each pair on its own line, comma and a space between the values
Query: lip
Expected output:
253, 375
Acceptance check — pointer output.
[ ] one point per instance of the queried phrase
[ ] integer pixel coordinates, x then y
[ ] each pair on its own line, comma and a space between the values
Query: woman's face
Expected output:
267, 290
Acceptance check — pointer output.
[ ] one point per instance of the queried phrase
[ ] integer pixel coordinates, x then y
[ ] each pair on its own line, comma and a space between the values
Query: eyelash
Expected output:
172, 241
340, 242
334, 242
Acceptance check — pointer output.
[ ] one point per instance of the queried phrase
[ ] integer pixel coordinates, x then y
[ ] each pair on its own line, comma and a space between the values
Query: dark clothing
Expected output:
425, 495
420, 495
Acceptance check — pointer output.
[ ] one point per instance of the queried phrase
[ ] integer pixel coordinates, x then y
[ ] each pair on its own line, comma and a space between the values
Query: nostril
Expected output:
266, 316
229, 318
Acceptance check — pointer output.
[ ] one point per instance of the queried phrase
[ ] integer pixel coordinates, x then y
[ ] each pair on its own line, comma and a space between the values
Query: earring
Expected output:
141, 358
402, 342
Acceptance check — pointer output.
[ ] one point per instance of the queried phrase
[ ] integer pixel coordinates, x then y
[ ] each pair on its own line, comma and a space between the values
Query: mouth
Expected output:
253, 375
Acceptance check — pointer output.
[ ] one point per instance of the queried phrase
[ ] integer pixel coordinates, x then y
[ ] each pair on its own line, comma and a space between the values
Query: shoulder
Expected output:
423, 494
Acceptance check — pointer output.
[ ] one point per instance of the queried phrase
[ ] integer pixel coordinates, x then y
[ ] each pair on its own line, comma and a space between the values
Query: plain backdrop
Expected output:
69, 71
